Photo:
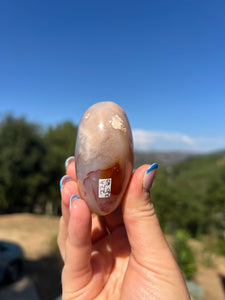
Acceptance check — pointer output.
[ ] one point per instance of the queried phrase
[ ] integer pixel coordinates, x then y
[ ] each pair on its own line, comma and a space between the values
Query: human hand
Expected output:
124, 257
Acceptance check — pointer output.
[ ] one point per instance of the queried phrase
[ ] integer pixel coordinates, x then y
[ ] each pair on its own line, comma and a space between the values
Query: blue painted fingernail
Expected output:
68, 160
72, 198
149, 177
153, 167
64, 179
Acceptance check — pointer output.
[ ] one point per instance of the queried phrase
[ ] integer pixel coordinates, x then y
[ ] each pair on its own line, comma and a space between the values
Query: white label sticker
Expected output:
104, 188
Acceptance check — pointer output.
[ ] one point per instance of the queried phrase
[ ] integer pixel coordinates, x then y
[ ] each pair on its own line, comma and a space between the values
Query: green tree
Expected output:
215, 200
184, 254
178, 203
60, 144
21, 164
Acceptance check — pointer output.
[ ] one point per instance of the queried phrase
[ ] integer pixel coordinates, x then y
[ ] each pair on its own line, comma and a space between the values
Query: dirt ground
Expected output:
211, 278
37, 236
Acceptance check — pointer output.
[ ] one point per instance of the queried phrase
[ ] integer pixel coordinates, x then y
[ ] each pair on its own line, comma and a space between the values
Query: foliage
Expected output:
31, 163
184, 254
21, 164
191, 195
188, 194
60, 143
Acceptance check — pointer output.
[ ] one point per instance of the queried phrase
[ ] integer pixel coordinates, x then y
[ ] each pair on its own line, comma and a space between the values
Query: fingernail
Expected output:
72, 198
153, 167
64, 179
68, 160
149, 177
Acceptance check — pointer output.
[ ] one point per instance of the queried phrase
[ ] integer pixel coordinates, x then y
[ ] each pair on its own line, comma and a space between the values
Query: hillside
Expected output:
191, 194
165, 158
199, 172
169, 158
203, 165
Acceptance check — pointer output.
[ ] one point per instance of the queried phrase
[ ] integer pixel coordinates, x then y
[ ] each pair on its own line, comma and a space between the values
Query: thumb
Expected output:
144, 232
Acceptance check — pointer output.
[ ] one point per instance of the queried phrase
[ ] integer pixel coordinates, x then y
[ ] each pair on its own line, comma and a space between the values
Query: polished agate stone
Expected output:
103, 156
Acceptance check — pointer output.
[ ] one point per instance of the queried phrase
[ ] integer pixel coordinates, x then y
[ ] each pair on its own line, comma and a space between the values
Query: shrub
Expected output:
184, 254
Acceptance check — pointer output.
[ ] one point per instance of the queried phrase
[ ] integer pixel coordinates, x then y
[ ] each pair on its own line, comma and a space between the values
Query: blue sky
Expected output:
162, 61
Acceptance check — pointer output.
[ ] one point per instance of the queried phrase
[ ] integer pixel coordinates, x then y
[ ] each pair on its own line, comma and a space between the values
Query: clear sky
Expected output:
162, 61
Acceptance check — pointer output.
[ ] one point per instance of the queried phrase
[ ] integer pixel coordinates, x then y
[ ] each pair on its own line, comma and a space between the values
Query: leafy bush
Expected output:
184, 254
220, 246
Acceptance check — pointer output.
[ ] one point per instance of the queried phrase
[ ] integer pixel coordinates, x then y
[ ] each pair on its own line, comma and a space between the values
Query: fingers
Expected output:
143, 229
77, 269
68, 187
112, 221
62, 236
70, 167
86, 269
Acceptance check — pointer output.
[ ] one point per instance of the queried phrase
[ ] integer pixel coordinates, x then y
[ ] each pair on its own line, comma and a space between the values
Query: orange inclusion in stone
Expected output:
116, 174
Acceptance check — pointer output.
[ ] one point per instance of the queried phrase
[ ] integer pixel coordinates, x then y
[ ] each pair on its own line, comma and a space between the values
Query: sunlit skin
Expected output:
130, 259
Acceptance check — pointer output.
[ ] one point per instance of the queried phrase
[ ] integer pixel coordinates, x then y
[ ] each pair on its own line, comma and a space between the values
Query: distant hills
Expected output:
165, 158
169, 158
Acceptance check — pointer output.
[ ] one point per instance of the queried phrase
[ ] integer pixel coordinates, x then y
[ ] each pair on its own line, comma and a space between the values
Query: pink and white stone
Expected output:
103, 156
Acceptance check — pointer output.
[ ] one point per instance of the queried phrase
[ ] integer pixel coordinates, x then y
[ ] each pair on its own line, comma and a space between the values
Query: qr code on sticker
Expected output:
104, 188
